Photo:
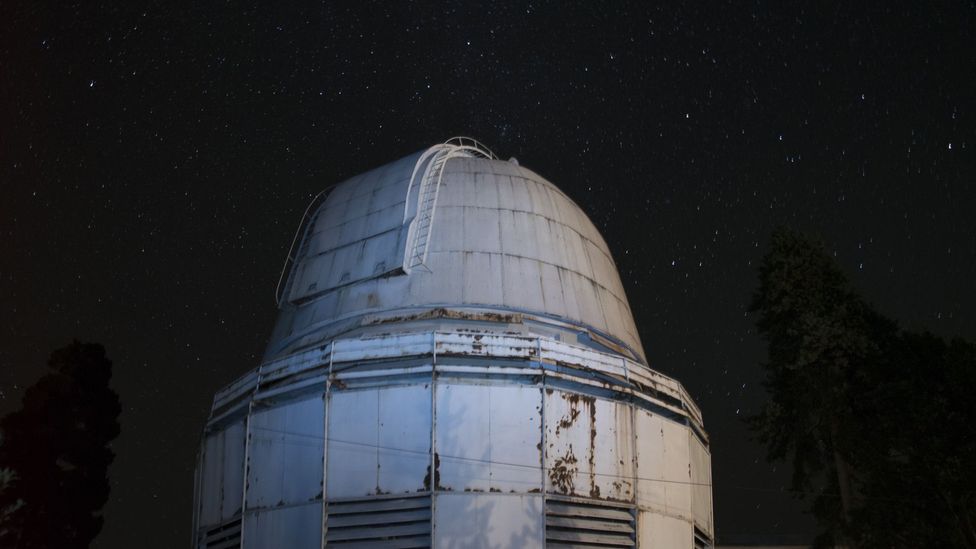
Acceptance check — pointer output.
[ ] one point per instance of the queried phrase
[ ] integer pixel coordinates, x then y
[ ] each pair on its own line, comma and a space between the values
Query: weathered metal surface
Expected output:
587, 523
379, 441
285, 456
222, 480
701, 489
222, 536
486, 345
651, 482
663, 466
656, 530
357, 235
588, 446
295, 527
379, 522
489, 438
390, 346
474, 382
294, 364
493, 521
236, 390
504, 241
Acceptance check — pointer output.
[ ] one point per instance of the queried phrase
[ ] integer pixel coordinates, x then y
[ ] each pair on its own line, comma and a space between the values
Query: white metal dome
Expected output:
455, 365
450, 226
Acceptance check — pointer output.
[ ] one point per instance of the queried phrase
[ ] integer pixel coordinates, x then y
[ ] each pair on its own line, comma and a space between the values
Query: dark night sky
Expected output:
155, 161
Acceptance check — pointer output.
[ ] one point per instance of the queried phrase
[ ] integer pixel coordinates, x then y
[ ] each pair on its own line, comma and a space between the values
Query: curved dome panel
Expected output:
495, 236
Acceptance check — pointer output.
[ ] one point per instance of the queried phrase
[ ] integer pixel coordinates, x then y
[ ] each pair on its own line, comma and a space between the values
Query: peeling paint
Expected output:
563, 472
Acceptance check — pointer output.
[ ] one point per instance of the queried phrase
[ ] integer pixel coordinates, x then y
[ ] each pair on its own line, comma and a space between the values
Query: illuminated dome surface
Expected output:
502, 238
454, 365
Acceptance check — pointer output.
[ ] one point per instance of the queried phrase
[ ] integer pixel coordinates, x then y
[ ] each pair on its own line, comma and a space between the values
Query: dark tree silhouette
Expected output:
819, 333
874, 420
916, 461
54, 453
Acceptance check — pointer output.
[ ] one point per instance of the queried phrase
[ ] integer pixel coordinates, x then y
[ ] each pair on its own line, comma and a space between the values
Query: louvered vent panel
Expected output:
702, 541
225, 536
383, 523
578, 524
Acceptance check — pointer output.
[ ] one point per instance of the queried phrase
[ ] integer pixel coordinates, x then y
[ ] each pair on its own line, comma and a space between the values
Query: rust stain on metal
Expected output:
594, 488
437, 473
441, 312
562, 473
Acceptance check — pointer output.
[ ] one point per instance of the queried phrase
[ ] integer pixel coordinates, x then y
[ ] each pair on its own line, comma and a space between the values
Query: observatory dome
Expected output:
454, 365
495, 237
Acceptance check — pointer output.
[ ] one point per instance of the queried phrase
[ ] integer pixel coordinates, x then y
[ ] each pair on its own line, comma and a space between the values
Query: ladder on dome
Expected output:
426, 203
429, 189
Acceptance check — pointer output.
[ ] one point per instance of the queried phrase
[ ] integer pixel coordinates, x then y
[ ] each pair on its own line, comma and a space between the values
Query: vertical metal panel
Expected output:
655, 530
449, 240
352, 444
522, 283
286, 454
515, 416
567, 442
233, 471
453, 191
210, 480
588, 448
518, 233
701, 490
539, 195
463, 446
481, 230
651, 485
404, 438
485, 190
223, 470
379, 441
552, 291
613, 451
481, 270
491, 521
297, 527
677, 469
663, 466
488, 437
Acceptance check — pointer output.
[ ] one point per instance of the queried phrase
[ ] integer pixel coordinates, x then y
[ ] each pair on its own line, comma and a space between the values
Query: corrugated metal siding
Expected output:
379, 522
295, 527
223, 536
577, 523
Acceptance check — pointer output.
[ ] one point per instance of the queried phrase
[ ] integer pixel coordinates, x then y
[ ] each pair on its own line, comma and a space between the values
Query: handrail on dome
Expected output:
472, 145
432, 161
292, 253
